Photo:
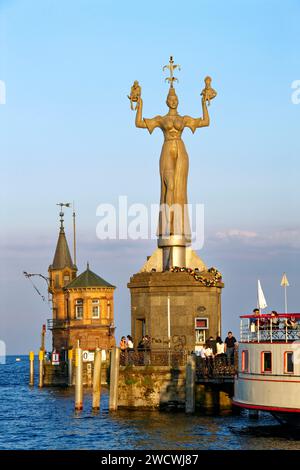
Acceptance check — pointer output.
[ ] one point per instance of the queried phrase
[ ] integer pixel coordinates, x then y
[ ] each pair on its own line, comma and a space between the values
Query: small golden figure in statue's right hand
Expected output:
135, 93
208, 92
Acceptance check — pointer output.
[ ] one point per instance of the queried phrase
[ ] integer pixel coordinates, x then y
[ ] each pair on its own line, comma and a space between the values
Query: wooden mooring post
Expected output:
89, 375
190, 378
97, 380
31, 368
41, 368
70, 367
78, 379
114, 379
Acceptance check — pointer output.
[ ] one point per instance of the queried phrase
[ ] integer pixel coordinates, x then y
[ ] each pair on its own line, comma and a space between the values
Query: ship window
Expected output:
95, 308
266, 361
79, 309
288, 362
245, 361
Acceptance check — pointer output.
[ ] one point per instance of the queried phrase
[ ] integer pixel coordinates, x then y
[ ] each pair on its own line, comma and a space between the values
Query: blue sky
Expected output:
67, 133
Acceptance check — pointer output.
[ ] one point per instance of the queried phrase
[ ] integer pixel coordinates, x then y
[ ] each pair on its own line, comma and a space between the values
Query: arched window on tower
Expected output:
79, 309
95, 308
66, 278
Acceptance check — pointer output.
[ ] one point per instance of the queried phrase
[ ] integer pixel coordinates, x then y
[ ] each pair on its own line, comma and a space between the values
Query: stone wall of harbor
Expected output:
159, 387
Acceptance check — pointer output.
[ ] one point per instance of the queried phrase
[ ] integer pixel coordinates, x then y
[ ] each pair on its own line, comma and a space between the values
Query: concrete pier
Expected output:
179, 386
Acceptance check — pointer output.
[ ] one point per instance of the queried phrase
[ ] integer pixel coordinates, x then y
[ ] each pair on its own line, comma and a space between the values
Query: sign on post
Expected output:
88, 356
55, 359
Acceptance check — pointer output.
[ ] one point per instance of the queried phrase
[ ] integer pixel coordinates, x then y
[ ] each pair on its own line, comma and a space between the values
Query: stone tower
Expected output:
179, 308
61, 272
83, 305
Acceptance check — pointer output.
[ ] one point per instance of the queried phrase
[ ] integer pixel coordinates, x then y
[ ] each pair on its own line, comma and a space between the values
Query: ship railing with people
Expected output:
281, 327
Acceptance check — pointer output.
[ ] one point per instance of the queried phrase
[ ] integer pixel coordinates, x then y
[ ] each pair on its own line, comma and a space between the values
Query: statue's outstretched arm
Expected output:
139, 121
144, 123
195, 123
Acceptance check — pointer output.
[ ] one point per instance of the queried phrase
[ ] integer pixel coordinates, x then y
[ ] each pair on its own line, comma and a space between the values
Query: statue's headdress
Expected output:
172, 92
171, 68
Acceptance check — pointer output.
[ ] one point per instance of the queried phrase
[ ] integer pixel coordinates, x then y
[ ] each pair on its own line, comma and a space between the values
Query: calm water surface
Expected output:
45, 419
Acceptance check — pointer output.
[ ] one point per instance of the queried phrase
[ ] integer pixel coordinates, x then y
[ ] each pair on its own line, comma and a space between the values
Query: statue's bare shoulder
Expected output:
152, 123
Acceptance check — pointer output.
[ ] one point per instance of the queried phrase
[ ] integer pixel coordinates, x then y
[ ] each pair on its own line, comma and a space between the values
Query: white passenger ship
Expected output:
268, 375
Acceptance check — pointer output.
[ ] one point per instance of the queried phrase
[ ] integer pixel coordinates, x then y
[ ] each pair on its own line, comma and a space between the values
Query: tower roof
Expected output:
62, 258
88, 279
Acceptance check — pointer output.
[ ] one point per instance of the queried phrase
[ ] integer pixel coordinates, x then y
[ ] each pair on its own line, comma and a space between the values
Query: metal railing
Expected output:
211, 368
216, 367
265, 328
153, 358
54, 324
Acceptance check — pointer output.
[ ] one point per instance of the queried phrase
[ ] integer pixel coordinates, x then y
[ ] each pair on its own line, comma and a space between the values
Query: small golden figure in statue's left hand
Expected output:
135, 93
208, 93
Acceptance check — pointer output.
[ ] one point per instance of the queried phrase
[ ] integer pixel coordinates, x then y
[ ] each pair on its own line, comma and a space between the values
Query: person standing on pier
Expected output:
220, 356
123, 344
230, 345
129, 343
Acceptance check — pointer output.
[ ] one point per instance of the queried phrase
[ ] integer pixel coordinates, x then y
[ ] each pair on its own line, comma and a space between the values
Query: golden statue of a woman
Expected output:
174, 228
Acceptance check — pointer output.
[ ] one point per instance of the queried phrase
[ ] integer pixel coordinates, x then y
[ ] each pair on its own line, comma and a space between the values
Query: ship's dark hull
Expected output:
292, 419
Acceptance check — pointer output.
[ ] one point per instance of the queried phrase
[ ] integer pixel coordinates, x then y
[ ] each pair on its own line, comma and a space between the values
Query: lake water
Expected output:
31, 418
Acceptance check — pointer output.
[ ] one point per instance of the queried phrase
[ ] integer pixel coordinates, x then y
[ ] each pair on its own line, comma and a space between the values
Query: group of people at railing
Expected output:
273, 320
130, 355
216, 355
126, 344
273, 325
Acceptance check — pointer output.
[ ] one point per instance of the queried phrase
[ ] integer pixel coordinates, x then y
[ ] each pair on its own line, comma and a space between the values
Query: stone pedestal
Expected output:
192, 303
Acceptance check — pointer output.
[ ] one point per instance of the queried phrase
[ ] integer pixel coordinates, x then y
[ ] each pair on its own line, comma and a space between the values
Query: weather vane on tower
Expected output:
61, 214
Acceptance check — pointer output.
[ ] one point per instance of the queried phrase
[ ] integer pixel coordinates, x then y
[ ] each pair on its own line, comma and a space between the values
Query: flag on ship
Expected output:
284, 281
260, 297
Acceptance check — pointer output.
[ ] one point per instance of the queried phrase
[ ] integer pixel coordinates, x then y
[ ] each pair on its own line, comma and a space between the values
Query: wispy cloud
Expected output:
231, 239
279, 238
235, 234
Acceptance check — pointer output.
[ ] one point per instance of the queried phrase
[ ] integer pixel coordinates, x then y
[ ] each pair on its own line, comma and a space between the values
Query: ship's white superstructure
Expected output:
268, 375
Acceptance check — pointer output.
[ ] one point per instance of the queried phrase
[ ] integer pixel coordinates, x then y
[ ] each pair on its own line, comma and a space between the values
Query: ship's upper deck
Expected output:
283, 328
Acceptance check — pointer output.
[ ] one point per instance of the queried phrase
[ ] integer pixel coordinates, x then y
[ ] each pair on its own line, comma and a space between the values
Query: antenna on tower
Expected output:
74, 233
